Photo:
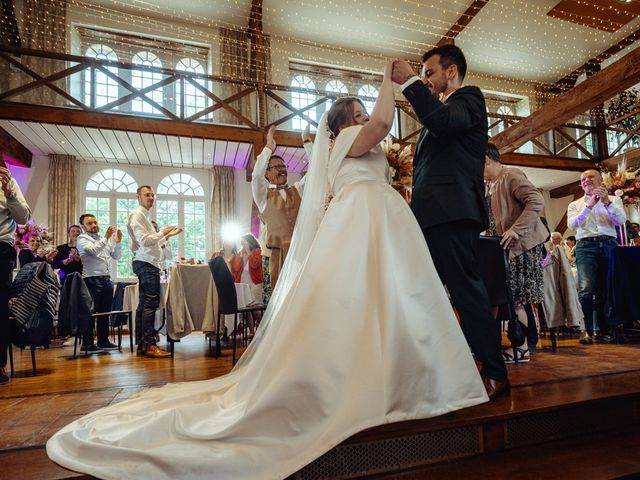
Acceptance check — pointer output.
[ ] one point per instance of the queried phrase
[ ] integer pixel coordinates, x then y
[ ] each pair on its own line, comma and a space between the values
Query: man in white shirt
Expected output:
277, 202
13, 210
96, 253
147, 245
594, 217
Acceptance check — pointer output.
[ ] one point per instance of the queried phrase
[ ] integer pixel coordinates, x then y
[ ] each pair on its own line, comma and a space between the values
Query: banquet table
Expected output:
624, 286
192, 301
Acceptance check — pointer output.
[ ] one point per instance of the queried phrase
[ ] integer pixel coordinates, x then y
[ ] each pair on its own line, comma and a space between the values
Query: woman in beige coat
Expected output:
515, 207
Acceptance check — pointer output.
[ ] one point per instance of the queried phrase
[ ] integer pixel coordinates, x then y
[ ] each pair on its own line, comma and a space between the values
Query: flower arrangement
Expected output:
623, 183
400, 166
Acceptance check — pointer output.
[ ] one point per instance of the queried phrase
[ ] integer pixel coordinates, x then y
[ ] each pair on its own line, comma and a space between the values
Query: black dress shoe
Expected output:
604, 339
107, 345
495, 388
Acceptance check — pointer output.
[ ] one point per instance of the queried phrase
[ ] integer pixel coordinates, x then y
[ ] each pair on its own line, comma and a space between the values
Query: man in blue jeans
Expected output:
147, 245
594, 217
96, 253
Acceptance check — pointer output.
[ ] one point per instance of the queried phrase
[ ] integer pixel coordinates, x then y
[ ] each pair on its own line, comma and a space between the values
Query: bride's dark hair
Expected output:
341, 114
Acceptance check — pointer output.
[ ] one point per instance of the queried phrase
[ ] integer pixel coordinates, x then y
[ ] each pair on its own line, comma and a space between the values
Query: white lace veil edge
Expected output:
314, 198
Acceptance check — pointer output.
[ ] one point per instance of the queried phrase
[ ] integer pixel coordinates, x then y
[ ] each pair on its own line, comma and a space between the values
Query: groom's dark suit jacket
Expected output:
448, 201
449, 160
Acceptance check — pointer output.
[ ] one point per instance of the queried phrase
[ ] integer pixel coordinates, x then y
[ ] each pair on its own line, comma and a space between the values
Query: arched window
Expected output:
301, 100
503, 110
368, 91
194, 99
141, 79
181, 202
111, 196
335, 86
106, 88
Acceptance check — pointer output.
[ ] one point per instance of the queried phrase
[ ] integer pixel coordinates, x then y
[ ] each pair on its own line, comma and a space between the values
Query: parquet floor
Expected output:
33, 408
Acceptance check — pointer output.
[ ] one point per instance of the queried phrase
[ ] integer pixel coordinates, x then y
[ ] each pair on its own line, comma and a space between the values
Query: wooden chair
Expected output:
94, 317
228, 302
33, 359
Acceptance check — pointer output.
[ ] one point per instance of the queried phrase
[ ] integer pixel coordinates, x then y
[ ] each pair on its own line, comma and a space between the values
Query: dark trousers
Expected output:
101, 290
454, 250
7, 264
592, 262
149, 291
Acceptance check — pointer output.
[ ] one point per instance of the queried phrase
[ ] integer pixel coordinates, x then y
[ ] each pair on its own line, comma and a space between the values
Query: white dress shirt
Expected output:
13, 210
600, 220
96, 252
146, 243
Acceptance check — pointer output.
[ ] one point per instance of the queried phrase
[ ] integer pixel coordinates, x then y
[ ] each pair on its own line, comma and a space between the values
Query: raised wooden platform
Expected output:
584, 396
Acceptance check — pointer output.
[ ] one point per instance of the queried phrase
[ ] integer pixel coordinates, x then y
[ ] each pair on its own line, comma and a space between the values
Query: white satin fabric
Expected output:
364, 336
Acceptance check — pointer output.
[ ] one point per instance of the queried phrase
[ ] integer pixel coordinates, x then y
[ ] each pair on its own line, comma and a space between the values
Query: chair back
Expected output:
493, 267
223, 280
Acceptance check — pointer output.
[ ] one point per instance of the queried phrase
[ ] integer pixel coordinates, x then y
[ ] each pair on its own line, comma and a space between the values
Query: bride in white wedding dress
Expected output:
359, 332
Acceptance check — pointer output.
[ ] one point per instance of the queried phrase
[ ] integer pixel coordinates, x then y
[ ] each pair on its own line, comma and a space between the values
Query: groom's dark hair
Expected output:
449, 55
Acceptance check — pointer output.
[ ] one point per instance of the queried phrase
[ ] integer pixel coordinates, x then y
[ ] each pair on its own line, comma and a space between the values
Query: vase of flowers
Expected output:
400, 161
625, 183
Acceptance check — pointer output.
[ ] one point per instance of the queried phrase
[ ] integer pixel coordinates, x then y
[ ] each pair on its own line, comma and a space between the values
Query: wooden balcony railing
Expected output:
93, 85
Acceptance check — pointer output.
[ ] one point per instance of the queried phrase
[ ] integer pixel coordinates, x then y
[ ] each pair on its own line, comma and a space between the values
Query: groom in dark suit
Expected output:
448, 193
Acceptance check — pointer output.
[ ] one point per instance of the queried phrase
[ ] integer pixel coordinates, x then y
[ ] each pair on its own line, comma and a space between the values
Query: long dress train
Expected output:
364, 336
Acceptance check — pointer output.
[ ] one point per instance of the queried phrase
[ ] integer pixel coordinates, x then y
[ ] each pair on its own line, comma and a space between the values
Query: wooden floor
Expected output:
33, 408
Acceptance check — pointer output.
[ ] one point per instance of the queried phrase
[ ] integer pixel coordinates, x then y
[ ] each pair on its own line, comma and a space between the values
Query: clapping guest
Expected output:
67, 260
96, 253
34, 252
516, 205
556, 242
246, 267
594, 217
227, 252
13, 209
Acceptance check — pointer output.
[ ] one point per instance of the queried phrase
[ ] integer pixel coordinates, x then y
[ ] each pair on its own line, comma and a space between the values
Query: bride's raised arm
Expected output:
381, 120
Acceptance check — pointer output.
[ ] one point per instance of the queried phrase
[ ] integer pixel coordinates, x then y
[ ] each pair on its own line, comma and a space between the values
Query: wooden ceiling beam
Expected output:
462, 22
13, 151
66, 116
544, 161
603, 85
569, 81
572, 188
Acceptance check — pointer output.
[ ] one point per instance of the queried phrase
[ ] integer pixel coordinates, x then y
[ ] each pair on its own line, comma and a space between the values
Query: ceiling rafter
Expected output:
462, 22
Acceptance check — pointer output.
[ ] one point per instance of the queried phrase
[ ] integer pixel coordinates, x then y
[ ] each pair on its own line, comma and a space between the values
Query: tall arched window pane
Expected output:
181, 202
503, 110
194, 99
301, 100
106, 88
111, 197
368, 91
335, 86
141, 79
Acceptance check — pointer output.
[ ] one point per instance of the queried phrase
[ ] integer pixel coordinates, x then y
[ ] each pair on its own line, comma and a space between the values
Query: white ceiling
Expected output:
549, 179
511, 38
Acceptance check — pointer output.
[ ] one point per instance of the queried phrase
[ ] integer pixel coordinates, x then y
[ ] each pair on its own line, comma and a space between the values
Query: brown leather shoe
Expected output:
495, 388
154, 351
140, 350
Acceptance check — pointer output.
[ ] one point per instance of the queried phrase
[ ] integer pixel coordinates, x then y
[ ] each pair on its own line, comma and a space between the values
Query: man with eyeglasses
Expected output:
277, 202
